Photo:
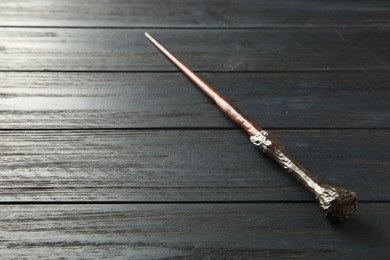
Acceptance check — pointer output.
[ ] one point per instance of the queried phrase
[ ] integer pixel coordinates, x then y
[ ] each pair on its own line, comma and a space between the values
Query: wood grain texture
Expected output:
156, 100
205, 50
197, 231
177, 165
194, 13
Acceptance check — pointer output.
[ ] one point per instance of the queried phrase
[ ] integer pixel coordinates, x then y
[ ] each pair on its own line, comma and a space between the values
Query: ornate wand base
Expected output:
337, 203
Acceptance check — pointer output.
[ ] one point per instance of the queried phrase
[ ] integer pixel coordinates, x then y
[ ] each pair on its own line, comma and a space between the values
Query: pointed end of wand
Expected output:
147, 35
155, 43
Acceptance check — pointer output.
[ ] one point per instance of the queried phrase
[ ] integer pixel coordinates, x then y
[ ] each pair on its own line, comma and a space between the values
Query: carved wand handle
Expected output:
337, 203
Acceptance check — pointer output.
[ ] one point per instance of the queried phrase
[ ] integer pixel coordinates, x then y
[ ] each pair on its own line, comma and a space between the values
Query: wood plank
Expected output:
194, 13
133, 100
196, 231
192, 165
204, 50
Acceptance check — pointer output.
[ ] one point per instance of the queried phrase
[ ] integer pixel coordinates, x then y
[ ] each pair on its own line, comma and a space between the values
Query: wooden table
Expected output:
108, 151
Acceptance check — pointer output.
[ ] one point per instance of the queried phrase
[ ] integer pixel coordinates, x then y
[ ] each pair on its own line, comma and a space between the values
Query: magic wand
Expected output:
337, 203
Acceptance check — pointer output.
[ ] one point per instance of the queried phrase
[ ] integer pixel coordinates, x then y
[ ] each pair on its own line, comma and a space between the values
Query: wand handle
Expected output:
337, 203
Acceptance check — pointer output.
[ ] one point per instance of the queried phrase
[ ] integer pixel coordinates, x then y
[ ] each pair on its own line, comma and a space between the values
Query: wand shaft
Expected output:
250, 126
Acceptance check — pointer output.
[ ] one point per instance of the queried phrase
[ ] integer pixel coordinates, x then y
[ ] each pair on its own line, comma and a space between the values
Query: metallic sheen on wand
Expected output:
337, 203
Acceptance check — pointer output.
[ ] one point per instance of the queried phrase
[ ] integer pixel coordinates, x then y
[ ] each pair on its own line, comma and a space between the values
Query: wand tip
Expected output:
150, 38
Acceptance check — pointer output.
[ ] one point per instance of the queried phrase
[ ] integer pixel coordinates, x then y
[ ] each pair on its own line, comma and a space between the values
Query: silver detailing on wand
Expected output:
261, 140
337, 203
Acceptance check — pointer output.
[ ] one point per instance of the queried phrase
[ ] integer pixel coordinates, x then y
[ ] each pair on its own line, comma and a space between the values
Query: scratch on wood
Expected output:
231, 64
340, 35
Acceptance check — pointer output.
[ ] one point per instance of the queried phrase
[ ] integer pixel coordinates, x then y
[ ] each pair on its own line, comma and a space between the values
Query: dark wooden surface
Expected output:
195, 231
156, 100
195, 13
184, 165
81, 49
107, 151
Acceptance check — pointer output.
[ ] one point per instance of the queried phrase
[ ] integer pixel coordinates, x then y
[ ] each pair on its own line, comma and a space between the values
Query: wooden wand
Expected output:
337, 203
